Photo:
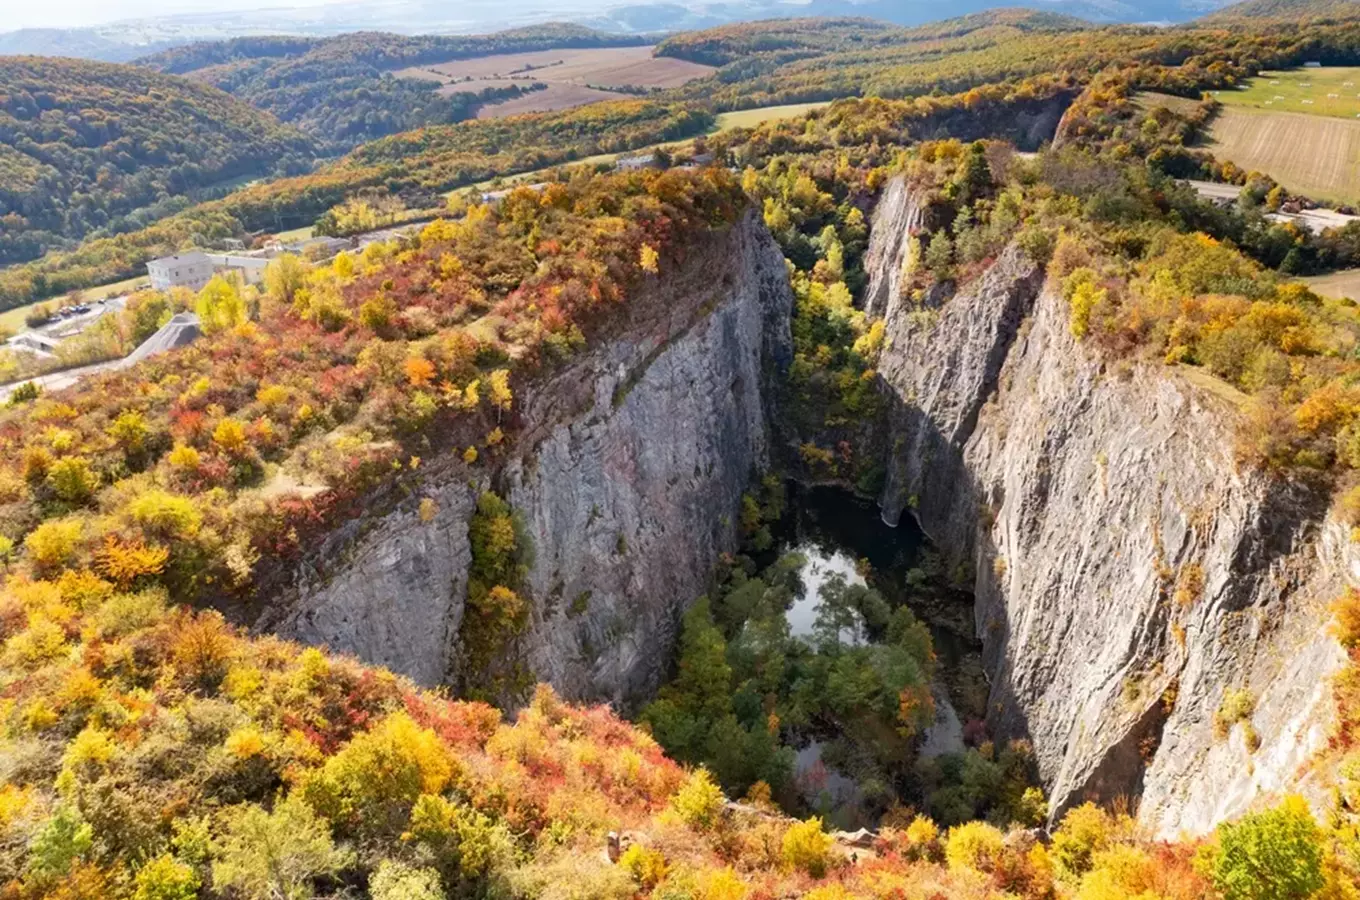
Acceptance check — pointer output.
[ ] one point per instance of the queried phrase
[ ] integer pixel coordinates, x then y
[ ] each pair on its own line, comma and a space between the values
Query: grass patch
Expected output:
1327, 91
750, 118
1338, 285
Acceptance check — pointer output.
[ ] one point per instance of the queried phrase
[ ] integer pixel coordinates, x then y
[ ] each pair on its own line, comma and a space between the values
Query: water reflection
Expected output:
840, 538
823, 565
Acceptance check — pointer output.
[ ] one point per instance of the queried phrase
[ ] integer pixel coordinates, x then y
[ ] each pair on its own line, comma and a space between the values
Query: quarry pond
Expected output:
841, 539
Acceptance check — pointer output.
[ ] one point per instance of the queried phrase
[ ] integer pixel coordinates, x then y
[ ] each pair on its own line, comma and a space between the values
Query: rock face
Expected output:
630, 504
896, 218
1128, 572
627, 474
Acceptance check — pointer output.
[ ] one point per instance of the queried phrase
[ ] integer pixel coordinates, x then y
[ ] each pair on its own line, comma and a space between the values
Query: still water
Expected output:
842, 536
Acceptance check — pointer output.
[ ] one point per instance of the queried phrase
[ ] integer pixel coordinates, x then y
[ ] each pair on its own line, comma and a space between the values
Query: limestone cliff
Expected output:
627, 474
896, 217
1128, 571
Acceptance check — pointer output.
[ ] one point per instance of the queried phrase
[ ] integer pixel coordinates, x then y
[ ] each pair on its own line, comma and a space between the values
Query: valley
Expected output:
861, 463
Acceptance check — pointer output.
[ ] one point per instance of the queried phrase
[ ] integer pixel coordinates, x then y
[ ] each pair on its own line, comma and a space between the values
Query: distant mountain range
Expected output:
127, 40
122, 41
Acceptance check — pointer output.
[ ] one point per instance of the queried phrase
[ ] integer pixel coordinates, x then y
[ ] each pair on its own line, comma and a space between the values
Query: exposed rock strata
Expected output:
627, 473
1086, 502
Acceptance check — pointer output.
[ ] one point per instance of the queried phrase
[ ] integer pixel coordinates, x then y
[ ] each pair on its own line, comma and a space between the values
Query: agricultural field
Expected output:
1317, 156
750, 118
552, 98
573, 77
1300, 126
1342, 284
1329, 91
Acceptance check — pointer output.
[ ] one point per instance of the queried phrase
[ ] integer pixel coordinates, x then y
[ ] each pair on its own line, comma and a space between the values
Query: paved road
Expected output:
1315, 220
178, 332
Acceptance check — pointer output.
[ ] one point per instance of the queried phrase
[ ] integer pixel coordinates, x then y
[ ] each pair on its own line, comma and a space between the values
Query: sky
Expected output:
16, 14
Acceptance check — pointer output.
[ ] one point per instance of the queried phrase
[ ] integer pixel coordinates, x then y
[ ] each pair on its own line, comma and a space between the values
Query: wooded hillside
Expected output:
88, 146
342, 90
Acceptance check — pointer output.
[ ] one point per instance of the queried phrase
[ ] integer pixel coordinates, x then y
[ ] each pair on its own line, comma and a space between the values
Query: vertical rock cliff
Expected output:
896, 217
1128, 572
627, 476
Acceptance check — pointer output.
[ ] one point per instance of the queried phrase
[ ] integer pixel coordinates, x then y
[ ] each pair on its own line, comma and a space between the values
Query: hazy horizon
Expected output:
85, 13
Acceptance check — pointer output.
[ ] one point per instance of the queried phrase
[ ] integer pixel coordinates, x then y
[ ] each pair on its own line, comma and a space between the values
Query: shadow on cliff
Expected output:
929, 478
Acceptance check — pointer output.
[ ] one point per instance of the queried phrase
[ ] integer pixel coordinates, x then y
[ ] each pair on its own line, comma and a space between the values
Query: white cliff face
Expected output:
887, 258
1128, 572
627, 475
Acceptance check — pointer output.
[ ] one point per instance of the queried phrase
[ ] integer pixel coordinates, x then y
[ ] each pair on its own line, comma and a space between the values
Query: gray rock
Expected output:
1079, 500
628, 475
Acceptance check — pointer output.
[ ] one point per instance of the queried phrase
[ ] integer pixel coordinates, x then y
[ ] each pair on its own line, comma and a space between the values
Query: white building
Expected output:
192, 270
251, 268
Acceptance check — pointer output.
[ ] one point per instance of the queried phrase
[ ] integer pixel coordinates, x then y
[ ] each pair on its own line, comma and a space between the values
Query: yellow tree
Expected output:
220, 305
500, 391
284, 275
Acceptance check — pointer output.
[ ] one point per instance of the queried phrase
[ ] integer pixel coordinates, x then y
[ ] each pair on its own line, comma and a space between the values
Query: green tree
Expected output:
939, 253
1271, 855
974, 175
64, 839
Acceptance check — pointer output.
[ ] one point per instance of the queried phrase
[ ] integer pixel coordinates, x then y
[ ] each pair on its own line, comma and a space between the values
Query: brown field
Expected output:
553, 97
573, 77
611, 66
1182, 105
1314, 155
1345, 283
1317, 156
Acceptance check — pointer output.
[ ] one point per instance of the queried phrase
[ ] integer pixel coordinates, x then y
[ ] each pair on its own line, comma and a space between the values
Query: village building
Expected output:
195, 268
191, 270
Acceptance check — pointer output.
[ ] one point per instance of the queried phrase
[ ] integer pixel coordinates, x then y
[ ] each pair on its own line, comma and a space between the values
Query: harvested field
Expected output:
573, 77
608, 66
1317, 156
553, 97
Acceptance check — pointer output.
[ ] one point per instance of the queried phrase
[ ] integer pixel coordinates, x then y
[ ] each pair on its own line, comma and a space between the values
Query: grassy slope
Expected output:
1329, 91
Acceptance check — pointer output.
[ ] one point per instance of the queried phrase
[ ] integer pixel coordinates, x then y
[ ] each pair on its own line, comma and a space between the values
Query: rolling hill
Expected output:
1286, 10
99, 147
344, 90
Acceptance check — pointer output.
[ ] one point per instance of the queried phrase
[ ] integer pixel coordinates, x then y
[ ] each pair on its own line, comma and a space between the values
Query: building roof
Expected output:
190, 256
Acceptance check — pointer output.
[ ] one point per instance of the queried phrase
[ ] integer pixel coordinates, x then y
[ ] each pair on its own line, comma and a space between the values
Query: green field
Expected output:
1329, 91
750, 118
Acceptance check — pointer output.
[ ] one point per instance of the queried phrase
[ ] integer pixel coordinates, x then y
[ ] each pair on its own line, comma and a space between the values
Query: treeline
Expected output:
1009, 47
342, 90
790, 39
414, 166
1251, 12
88, 147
